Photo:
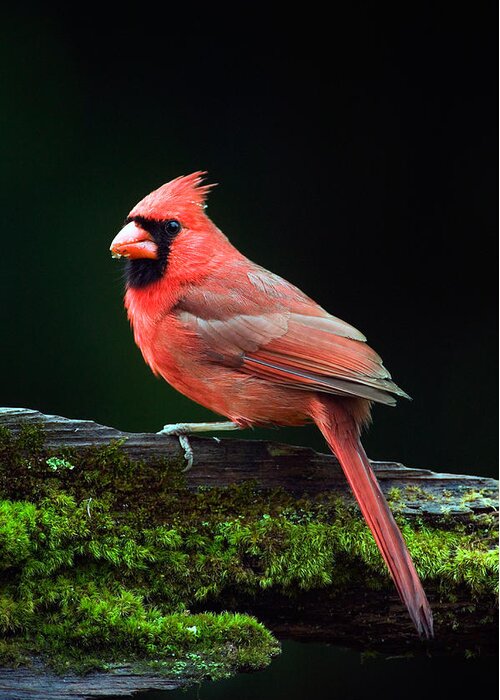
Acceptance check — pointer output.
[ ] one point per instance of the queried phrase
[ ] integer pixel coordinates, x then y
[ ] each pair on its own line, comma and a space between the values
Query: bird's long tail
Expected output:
342, 435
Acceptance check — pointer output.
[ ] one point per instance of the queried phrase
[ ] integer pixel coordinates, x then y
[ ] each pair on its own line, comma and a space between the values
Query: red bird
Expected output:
249, 345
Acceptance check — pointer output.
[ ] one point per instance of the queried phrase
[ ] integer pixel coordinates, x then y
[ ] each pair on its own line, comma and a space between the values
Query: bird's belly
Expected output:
244, 399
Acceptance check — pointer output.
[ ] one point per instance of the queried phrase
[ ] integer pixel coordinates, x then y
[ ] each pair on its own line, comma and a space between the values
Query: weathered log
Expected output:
39, 683
357, 617
299, 470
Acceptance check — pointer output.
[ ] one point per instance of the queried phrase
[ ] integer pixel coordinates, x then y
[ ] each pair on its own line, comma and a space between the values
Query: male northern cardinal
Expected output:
249, 345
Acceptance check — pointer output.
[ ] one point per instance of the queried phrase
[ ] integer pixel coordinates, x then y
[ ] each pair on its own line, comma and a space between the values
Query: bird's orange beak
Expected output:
134, 242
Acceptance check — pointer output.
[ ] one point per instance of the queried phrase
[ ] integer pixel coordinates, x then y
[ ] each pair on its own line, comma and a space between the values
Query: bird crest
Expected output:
174, 196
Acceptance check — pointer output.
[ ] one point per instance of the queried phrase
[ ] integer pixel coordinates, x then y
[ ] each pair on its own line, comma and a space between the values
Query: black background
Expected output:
356, 155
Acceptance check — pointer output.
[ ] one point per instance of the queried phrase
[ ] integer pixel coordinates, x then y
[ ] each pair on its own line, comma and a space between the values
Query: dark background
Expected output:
356, 156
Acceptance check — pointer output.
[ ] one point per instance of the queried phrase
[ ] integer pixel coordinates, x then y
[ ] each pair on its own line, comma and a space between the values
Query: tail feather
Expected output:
342, 437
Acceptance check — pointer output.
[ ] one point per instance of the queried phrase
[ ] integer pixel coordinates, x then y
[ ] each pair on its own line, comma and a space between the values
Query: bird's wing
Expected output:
266, 327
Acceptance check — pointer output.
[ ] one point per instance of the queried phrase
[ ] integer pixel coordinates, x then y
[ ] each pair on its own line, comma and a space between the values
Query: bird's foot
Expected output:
188, 452
182, 430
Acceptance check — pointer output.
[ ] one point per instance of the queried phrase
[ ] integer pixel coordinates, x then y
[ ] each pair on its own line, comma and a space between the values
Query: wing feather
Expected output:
270, 329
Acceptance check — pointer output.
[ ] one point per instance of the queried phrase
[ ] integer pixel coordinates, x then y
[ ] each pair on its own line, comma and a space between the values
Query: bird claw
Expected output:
182, 430
188, 452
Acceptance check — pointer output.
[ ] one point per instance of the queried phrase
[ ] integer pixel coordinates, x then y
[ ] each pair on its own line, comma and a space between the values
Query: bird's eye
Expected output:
172, 227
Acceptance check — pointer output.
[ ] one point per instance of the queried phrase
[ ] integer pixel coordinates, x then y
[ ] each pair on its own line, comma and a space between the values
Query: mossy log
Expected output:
255, 527
298, 470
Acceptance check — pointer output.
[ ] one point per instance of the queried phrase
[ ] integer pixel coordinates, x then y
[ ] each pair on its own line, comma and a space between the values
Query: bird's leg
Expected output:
188, 428
182, 430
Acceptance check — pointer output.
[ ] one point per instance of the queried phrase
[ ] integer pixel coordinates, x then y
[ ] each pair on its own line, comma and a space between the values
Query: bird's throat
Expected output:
143, 272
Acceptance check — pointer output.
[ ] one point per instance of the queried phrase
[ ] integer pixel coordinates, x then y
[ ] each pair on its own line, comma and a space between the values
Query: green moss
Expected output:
415, 493
394, 495
56, 463
102, 559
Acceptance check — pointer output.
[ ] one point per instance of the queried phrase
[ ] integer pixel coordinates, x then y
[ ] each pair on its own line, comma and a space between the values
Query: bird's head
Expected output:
168, 229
